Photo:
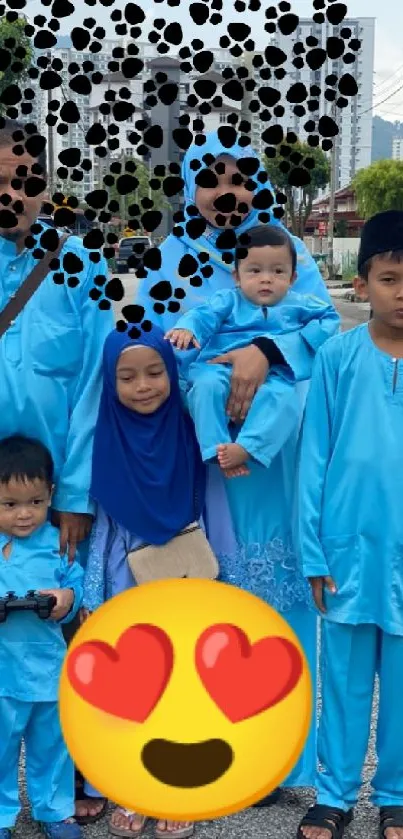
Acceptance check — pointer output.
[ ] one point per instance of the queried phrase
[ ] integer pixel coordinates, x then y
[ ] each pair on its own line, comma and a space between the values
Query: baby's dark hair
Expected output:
264, 234
25, 459
391, 256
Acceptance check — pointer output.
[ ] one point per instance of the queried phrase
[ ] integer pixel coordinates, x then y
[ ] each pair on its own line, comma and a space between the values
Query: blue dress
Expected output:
255, 547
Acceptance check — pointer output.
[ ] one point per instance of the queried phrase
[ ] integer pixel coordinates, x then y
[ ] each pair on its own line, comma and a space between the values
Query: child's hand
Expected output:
317, 585
84, 614
64, 601
181, 338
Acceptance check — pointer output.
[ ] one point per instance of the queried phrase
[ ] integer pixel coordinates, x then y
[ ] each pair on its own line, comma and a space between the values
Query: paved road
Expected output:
280, 821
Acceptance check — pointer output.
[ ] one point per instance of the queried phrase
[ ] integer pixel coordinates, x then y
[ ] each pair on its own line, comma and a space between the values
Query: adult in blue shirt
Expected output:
50, 357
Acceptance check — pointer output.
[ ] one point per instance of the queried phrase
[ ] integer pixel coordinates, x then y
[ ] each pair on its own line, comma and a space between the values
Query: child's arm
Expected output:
322, 321
297, 348
69, 595
314, 459
202, 322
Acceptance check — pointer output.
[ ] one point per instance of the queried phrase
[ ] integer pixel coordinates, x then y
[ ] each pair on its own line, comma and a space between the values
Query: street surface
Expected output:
280, 821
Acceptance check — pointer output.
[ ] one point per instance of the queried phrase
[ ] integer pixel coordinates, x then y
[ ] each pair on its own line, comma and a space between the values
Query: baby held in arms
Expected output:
262, 304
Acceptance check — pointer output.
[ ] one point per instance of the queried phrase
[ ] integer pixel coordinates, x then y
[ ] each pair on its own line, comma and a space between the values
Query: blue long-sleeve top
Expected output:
50, 366
350, 520
229, 321
32, 650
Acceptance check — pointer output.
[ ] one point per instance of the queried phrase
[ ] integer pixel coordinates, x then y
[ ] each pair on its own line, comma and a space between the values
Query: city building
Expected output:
354, 141
397, 148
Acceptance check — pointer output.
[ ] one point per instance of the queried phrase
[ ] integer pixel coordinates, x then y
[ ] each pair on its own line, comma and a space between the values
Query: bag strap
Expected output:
30, 285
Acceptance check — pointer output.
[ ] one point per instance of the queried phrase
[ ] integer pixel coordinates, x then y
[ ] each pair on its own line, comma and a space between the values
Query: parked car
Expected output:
130, 253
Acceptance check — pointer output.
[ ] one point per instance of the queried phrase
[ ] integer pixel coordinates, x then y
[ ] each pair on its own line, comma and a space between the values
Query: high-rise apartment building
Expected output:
354, 141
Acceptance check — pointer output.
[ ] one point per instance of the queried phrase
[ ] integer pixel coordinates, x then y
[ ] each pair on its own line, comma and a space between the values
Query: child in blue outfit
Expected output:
32, 649
262, 305
351, 541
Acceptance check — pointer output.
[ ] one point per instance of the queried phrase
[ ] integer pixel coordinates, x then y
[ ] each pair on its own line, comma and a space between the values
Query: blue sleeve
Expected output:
299, 348
314, 459
72, 492
206, 320
72, 576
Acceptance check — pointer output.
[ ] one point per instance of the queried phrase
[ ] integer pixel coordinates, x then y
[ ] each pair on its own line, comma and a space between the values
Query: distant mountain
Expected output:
383, 133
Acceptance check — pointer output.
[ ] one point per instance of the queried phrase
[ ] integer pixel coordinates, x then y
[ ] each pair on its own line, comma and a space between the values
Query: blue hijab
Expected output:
173, 249
214, 147
147, 471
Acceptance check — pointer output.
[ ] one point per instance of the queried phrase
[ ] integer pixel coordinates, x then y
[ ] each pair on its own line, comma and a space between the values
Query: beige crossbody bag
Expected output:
186, 555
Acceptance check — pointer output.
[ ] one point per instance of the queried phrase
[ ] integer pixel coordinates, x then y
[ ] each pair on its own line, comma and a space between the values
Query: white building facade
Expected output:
354, 142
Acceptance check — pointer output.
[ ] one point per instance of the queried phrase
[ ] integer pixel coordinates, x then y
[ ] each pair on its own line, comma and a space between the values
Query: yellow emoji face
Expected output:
185, 699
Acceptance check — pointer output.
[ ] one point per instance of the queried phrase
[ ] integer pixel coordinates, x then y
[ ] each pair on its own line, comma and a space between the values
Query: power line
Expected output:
378, 104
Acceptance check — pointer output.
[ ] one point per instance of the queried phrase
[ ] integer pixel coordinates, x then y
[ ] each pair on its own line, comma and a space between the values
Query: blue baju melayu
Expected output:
31, 657
350, 527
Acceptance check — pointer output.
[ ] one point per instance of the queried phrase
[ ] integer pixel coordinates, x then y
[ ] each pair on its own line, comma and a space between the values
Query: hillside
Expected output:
383, 133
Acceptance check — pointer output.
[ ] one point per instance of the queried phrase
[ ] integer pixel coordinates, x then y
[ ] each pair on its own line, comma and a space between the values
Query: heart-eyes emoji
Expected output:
185, 699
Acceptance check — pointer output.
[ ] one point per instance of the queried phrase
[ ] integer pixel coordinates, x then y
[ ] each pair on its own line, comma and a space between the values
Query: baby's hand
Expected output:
181, 338
84, 614
64, 602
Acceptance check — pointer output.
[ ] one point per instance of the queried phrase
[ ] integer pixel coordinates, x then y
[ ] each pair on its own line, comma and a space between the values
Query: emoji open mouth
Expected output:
187, 764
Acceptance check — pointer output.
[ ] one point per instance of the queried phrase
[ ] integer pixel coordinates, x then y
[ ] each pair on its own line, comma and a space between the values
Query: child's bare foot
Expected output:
232, 459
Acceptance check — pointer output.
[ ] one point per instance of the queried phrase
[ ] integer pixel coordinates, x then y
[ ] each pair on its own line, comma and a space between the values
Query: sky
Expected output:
388, 75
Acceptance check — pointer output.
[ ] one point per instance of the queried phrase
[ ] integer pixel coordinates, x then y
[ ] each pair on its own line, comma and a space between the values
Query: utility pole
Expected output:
332, 200
51, 150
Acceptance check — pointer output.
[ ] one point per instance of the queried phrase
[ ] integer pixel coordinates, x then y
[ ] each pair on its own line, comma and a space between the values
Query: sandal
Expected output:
389, 817
179, 833
80, 795
60, 830
331, 818
127, 831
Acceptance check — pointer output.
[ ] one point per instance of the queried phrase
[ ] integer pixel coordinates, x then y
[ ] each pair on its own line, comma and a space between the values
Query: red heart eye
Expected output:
127, 680
245, 679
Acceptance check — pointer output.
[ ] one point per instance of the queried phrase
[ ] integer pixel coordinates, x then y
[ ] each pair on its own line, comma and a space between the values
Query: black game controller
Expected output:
42, 604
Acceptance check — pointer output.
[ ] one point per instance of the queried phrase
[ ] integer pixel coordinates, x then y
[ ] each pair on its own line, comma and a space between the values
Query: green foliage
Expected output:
379, 187
140, 194
14, 40
317, 176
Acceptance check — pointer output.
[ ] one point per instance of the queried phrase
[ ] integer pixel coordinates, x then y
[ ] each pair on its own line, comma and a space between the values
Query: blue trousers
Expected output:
273, 412
48, 767
351, 656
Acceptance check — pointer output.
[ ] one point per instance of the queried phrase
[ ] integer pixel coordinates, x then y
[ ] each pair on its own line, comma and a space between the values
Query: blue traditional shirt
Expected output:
32, 650
350, 521
230, 321
50, 366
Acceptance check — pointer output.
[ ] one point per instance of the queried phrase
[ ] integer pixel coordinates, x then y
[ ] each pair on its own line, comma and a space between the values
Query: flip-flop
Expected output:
127, 831
179, 833
83, 820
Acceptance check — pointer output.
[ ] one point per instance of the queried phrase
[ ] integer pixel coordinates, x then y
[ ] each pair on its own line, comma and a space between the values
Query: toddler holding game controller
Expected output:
32, 648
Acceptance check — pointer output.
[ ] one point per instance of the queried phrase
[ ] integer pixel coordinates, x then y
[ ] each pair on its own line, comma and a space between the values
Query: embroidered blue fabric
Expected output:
268, 571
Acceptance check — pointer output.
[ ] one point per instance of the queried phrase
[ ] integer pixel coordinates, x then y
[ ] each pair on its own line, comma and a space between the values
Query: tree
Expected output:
142, 191
379, 187
16, 43
299, 171
341, 229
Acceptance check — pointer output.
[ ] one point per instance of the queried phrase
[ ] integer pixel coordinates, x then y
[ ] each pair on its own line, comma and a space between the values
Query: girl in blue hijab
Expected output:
148, 480
255, 547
